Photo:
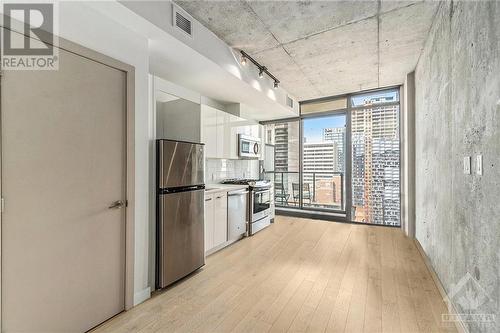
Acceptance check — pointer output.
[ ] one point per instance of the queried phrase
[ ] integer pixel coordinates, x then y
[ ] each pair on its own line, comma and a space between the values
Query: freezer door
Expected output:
180, 164
181, 230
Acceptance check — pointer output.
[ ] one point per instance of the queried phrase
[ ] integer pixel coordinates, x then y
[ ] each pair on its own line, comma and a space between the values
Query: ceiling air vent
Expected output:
289, 102
182, 21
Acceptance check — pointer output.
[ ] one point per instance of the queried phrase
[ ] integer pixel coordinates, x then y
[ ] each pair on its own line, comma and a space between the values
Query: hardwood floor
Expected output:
300, 275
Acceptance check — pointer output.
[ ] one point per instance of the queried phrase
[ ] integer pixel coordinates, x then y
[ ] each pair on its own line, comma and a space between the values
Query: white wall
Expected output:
84, 24
205, 63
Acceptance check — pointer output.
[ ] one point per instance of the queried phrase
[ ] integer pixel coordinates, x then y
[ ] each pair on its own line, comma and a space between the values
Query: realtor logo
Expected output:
29, 40
472, 300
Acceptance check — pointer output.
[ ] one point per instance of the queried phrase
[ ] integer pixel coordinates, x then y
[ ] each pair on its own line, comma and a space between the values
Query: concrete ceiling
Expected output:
323, 48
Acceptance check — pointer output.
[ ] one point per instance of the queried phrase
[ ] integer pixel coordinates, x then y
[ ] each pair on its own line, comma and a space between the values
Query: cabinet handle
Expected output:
208, 199
220, 197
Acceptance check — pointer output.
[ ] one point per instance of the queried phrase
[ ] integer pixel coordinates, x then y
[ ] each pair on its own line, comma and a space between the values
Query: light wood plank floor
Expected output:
300, 275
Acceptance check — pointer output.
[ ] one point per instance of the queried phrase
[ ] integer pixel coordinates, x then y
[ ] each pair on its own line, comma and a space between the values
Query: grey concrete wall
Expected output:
457, 115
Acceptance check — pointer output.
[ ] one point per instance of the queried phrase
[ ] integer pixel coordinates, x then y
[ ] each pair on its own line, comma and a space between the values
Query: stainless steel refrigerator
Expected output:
180, 210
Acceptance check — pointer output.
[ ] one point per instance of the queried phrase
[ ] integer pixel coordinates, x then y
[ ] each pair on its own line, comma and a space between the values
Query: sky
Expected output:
313, 127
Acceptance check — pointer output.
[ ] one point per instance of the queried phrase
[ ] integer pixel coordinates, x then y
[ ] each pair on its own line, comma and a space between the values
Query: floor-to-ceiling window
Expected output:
375, 141
342, 156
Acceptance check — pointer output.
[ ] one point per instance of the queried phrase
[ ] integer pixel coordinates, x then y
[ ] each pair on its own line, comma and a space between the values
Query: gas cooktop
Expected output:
249, 182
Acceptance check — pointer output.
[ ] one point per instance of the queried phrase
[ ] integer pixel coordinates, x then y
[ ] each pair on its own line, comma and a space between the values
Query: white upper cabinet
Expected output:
227, 123
209, 128
219, 132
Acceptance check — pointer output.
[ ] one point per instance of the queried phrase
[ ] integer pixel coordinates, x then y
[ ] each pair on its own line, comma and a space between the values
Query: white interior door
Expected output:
63, 164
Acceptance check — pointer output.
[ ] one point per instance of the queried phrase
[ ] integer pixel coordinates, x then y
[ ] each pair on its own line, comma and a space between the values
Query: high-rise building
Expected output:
286, 158
320, 162
281, 147
337, 135
376, 162
319, 158
286, 141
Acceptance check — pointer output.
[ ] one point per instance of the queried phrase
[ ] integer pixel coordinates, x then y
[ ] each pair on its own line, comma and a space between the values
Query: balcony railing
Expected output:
319, 190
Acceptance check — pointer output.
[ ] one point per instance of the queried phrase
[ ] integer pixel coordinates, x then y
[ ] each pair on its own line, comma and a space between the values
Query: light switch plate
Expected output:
479, 165
467, 165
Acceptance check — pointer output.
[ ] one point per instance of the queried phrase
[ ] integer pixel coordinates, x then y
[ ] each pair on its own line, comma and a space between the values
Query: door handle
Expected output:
117, 204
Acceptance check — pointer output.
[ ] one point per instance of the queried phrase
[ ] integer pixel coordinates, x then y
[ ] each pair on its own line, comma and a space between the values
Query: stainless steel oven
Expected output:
260, 208
261, 203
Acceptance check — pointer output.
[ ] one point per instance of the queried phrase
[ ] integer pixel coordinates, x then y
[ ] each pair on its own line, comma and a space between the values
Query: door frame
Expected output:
129, 71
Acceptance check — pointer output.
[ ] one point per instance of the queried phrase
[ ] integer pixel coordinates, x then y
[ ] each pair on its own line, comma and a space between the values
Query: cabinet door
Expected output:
237, 126
255, 130
220, 222
209, 222
262, 136
222, 134
209, 133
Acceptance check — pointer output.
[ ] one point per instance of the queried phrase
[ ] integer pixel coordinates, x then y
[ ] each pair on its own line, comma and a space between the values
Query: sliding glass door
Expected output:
323, 163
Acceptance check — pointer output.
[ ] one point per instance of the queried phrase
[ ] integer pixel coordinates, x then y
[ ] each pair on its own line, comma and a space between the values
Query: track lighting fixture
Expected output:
262, 69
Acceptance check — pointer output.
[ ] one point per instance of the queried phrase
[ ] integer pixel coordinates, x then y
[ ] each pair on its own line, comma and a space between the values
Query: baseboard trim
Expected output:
142, 295
461, 328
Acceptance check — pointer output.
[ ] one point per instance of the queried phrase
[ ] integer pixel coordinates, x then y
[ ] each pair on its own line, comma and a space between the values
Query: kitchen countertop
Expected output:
216, 188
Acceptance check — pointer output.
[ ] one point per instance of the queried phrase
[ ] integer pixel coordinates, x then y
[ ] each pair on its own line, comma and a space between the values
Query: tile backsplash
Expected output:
218, 169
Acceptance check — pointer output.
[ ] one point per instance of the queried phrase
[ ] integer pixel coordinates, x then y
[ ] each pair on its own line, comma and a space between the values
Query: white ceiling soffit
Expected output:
173, 56
324, 48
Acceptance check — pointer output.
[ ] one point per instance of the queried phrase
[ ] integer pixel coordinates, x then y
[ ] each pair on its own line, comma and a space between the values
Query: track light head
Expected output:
261, 71
243, 60
276, 84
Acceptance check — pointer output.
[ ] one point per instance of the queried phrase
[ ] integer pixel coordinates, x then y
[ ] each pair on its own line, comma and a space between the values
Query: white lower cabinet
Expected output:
215, 220
209, 222
220, 222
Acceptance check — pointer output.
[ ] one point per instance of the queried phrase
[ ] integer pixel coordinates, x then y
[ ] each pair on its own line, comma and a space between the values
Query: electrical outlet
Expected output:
467, 165
479, 165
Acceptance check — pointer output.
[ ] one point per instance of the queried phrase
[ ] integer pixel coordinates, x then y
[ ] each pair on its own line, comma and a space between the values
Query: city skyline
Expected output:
314, 127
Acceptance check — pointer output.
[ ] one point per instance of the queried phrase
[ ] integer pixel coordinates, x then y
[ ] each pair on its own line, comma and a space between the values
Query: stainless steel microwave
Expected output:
248, 146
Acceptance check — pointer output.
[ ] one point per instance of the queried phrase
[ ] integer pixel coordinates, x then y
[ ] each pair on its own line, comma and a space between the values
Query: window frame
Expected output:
329, 214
